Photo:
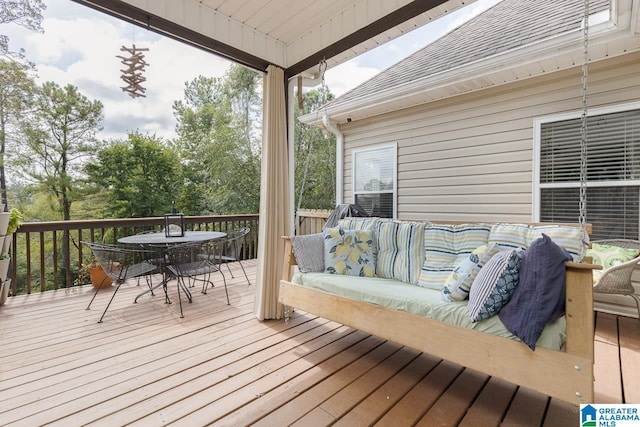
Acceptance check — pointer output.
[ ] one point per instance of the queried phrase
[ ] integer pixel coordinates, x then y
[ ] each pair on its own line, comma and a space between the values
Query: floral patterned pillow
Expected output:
349, 252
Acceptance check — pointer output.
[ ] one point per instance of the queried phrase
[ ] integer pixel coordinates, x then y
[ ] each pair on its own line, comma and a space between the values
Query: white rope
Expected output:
583, 129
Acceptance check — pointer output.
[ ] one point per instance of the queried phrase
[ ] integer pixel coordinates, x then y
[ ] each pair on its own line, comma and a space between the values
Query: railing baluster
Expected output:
54, 236
42, 262
28, 246
55, 254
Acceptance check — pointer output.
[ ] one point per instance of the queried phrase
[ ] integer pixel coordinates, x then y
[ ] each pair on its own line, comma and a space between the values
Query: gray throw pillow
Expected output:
309, 252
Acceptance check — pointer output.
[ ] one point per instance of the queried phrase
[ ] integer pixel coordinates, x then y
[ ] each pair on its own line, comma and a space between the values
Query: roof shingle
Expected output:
508, 25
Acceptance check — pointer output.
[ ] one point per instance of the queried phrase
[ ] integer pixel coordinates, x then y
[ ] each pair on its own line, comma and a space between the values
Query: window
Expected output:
374, 180
613, 171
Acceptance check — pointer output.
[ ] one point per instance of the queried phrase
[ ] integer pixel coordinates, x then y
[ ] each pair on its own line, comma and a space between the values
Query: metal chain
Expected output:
322, 69
583, 127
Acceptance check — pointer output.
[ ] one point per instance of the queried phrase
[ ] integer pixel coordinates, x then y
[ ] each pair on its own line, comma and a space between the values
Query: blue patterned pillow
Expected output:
349, 252
458, 284
494, 284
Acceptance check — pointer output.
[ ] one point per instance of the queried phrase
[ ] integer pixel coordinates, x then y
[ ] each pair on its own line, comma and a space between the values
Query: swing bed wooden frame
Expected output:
566, 374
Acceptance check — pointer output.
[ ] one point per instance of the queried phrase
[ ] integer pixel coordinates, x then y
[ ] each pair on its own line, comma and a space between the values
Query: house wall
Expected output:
470, 157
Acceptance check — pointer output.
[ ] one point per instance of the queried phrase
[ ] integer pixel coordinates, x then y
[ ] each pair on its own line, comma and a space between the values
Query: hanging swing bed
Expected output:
566, 374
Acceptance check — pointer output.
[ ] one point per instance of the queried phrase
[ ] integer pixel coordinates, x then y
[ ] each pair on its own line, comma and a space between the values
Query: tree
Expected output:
17, 89
219, 142
27, 14
59, 138
315, 158
140, 176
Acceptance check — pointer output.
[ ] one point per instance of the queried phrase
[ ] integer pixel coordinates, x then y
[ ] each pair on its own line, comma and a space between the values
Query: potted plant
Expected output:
4, 266
91, 270
15, 221
5, 285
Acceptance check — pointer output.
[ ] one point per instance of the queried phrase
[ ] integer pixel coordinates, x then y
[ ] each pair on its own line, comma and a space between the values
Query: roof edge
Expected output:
609, 33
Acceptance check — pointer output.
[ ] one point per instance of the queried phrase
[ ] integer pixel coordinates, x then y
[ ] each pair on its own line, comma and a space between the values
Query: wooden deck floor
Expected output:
146, 366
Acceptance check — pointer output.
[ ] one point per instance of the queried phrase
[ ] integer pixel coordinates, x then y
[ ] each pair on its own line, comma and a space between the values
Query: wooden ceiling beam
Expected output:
142, 18
403, 14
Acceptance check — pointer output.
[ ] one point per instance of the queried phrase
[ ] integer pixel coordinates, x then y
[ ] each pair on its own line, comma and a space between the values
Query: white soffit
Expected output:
286, 32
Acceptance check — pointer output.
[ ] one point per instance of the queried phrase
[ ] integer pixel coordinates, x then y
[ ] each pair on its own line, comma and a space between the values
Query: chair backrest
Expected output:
186, 259
617, 278
120, 263
234, 243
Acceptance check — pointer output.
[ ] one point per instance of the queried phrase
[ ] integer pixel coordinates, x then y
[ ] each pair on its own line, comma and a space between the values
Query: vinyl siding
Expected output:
470, 157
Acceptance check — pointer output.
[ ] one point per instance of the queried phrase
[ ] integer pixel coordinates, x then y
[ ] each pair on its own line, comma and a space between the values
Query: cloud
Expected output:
348, 75
80, 48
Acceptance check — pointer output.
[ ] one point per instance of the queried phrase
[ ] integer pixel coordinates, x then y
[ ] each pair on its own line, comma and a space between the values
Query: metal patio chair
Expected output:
232, 248
119, 263
616, 280
191, 262
157, 260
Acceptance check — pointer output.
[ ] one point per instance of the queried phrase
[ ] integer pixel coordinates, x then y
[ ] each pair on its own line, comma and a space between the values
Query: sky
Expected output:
79, 47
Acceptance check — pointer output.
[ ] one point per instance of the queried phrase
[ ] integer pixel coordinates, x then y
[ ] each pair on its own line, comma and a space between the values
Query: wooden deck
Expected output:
219, 365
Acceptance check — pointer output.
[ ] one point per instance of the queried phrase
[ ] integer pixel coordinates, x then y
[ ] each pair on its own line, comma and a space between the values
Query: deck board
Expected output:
144, 365
630, 358
607, 375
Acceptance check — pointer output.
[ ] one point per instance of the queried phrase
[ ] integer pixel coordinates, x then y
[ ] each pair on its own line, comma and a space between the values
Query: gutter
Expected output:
608, 33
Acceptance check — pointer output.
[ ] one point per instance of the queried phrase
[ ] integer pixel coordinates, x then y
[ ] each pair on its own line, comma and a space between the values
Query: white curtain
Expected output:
274, 196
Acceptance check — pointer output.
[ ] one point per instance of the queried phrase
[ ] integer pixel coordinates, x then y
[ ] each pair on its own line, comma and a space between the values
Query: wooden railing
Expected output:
48, 255
311, 221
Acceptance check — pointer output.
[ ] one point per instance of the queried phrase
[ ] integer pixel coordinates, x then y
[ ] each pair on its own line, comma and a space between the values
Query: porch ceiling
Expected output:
294, 35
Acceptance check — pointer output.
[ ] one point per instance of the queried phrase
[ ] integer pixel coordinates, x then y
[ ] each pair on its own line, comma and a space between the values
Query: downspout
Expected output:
331, 127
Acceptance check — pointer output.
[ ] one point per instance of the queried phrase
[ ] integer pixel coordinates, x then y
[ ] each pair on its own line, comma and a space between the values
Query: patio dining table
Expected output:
160, 240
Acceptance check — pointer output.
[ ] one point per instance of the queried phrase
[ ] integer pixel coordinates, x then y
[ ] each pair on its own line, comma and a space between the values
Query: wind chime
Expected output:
132, 74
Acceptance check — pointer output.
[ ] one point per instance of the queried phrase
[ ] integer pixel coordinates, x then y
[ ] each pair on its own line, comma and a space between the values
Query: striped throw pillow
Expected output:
447, 246
358, 223
522, 235
400, 247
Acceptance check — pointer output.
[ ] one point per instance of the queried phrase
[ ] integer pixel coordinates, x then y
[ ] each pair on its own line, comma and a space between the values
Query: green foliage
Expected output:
17, 89
25, 13
15, 220
59, 136
315, 158
218, 122
139, 177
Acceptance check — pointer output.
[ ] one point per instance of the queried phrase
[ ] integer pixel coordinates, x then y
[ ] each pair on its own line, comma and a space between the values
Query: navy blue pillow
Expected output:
540, 295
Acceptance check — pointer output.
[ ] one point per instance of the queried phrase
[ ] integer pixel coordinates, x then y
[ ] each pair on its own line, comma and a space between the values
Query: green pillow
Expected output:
608, 256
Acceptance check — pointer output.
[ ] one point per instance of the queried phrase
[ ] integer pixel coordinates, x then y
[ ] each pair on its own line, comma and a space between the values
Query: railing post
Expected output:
50, 256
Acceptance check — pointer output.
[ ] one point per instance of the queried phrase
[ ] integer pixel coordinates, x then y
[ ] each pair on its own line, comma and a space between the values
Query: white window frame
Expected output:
537, 129
394, 191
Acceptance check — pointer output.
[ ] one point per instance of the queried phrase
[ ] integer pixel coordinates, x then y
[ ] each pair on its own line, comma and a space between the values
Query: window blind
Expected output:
613, 148
613, 171
374, 180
